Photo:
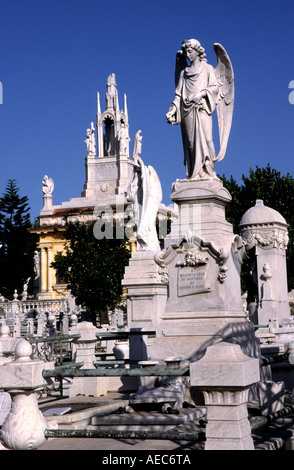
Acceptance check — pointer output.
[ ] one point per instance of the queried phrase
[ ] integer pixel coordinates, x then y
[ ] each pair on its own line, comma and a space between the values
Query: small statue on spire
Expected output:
111, 93
124, 139
90, 141
48, 185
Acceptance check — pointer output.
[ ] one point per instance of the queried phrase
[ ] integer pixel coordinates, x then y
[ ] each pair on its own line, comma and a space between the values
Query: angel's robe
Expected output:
146, 194
196, 121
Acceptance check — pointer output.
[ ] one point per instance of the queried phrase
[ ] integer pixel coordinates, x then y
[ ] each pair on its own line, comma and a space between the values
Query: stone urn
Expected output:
121, 350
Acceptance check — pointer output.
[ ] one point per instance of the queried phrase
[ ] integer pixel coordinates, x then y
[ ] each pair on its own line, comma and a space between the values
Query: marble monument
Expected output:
202, 257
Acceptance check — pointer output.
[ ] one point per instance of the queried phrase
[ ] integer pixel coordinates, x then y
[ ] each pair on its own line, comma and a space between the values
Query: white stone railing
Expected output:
29, 317
23, 307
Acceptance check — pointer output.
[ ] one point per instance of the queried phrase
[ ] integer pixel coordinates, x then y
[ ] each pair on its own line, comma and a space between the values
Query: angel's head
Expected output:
193, 45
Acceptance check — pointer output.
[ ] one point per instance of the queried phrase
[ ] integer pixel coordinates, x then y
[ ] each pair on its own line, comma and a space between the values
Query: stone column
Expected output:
17, 326
43, 270
50, 271
65, 321
146, 299
47, 203
224, 375
85, 352
24, 427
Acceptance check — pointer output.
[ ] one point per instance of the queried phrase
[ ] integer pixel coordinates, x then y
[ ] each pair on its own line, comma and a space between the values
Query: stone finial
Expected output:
5, 331
23, 351
73, 319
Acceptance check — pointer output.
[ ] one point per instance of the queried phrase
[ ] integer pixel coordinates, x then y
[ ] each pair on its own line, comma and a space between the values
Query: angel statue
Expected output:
48, 185
145, 193
200, 89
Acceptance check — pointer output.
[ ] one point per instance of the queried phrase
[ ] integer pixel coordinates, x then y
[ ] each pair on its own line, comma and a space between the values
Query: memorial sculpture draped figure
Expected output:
201, 89
145, 193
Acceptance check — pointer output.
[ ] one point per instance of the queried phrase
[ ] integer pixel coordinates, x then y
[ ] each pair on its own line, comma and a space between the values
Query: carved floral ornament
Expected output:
163, 272
195, 254
270, 238
104, 187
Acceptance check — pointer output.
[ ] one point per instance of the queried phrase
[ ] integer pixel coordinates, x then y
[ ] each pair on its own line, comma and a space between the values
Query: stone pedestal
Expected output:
85, 352
224, 375
47, 204
146, 299
24, 427
202, 262
201, 209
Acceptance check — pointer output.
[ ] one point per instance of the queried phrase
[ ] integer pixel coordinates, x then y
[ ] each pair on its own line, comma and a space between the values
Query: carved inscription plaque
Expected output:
192, 280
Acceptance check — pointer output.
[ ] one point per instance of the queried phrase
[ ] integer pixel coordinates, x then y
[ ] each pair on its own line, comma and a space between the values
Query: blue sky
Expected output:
56, 54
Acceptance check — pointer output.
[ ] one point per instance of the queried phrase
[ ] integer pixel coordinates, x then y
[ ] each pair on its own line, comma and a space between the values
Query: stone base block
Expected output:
89, 386
123, 384
229, 444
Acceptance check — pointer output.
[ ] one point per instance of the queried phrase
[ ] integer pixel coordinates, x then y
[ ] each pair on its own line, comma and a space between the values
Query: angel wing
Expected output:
181, 64
225, 101
48, 185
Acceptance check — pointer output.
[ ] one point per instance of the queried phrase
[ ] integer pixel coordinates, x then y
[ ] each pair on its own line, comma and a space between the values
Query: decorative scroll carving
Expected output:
195, 254
274, 238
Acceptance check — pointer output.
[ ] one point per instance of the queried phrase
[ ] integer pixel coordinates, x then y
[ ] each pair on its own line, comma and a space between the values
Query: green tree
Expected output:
235, 209
276, 191
17, 244
92, 269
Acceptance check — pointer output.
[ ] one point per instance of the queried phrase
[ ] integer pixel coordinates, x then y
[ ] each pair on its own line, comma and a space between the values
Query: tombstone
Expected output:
265, 234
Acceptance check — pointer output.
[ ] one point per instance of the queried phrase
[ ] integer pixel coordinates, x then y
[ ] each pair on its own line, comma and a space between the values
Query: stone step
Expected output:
81, 418
146, 420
